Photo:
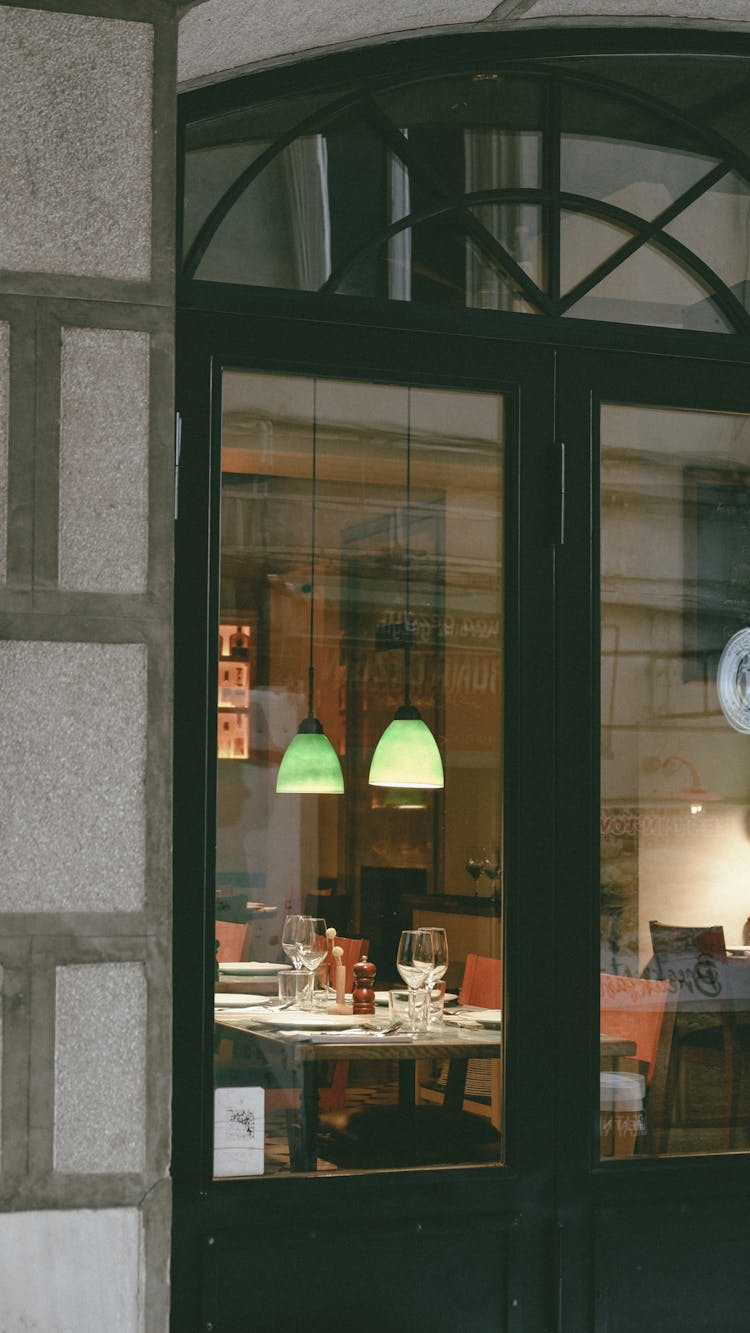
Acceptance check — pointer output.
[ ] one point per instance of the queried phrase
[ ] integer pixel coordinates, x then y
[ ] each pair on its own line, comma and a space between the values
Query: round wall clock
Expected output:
733, 680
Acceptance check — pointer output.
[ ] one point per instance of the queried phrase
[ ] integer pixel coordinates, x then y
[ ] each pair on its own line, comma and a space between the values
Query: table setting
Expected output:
420, 1012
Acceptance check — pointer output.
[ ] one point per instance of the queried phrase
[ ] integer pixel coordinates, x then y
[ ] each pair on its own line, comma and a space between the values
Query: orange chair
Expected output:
233, 940
483, 982
332, 1075
332, 1094
634, 1008
352, 951
482, 986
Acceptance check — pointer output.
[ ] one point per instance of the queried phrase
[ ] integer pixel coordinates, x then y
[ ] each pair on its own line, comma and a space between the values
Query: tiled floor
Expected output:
367, 1086
369, 1089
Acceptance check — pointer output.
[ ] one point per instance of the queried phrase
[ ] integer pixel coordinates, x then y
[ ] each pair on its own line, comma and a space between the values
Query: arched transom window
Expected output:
611, 189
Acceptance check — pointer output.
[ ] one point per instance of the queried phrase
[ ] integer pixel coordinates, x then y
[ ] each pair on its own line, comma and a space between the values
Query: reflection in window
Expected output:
447, 191
675, 845
375, 861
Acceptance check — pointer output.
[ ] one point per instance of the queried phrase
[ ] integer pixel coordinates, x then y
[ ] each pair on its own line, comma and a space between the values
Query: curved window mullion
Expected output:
459, 208
724, 296
318, 120
646, 232
399, 144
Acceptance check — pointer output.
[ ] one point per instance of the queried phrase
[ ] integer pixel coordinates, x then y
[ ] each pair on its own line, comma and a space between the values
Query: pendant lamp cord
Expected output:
407, 644
313, 496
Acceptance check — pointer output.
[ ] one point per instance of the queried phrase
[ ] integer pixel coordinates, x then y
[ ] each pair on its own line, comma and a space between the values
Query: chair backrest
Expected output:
234, 941
693, 960
482, 982
633, 1007
352, 952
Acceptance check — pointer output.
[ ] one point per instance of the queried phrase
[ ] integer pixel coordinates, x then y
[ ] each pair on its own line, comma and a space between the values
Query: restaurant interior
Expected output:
361, 590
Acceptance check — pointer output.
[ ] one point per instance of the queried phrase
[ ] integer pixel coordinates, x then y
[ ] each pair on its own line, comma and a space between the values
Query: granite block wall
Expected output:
222, 38
87, 101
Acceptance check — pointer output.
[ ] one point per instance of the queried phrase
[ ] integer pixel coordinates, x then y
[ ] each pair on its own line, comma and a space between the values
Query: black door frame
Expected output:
545, 1225
514, 1200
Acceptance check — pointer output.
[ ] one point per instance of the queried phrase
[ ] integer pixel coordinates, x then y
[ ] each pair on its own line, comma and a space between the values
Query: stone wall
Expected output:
223, 38
87, 103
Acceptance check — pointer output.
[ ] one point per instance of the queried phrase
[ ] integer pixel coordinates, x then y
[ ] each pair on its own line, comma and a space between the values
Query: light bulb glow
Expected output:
407, 756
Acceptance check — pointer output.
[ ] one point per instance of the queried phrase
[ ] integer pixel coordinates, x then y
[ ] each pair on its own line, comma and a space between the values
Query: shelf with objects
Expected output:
233, 738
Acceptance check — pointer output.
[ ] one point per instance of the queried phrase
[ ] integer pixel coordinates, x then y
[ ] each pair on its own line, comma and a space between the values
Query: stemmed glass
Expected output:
440, 963
415, 962
476, 859
290, 940
313, 946
492, 864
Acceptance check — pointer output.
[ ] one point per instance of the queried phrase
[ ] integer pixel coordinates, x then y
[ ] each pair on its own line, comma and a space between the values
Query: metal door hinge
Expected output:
177, 448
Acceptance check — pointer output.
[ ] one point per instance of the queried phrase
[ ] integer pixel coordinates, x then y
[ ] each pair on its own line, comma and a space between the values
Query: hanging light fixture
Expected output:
310, 763
407, 754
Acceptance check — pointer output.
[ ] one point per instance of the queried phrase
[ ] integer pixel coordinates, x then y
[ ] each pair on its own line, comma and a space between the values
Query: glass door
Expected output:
384, 512
667, 861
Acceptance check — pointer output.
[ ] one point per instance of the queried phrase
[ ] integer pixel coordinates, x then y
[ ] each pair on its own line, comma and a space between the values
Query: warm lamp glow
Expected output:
407, 754
310, 763
695, 795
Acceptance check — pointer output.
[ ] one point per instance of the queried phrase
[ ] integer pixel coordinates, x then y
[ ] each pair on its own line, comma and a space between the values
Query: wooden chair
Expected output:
635, 1008
352, 952
482, 982
234, 941
693, 961
332, 1093
482, 985
332, 1076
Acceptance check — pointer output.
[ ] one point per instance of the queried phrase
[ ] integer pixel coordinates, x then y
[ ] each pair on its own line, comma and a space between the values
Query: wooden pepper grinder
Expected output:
363, 994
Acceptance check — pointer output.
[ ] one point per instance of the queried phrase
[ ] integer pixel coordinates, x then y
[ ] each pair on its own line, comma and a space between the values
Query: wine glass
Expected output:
492, 864
290, 940
313, 947
476, 858
415, 961
440, 963
440, 953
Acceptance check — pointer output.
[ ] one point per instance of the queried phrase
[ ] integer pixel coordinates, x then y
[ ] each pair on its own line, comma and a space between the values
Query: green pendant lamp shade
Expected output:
310, 763
407, 754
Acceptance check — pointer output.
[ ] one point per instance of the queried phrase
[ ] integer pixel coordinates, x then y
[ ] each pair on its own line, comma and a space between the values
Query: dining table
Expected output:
291, 1056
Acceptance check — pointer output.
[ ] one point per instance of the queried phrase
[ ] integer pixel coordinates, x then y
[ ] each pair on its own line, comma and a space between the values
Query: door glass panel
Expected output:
675, 781
309, 1088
